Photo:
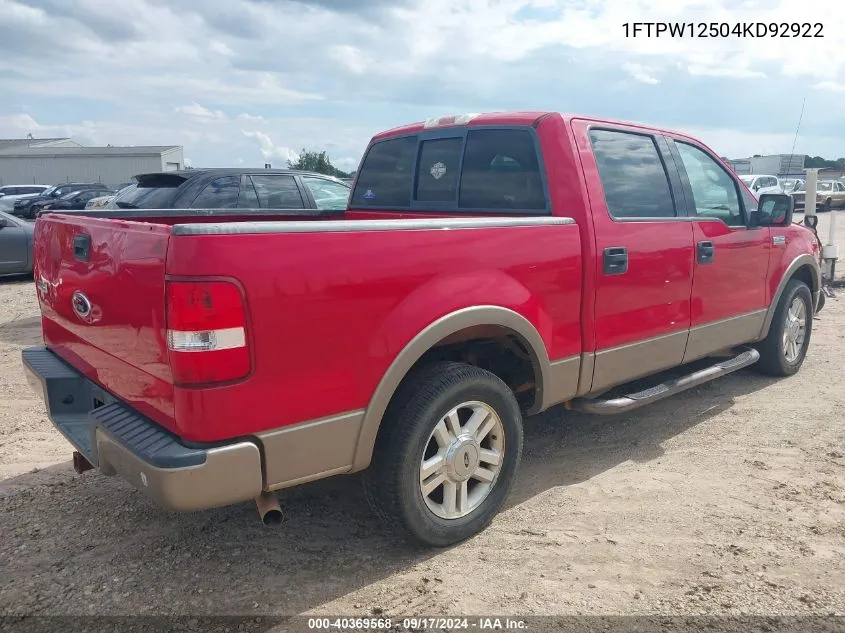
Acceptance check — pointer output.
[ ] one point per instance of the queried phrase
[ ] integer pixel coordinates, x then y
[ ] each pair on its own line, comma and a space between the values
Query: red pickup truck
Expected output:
487, 267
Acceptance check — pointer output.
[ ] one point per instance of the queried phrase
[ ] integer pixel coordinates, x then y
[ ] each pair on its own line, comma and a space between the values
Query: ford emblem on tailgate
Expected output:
81, 304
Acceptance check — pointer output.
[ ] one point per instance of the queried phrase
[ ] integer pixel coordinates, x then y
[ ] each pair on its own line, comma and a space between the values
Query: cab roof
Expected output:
527, 117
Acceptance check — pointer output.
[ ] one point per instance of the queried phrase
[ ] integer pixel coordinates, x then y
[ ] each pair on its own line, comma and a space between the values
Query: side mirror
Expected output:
773, 209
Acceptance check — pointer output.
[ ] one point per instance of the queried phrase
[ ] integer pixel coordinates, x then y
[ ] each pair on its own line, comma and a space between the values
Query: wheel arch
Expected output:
502, 319
804, 268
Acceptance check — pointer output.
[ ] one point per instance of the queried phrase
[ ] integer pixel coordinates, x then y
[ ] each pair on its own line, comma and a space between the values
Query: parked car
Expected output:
18, 190
792, 184
486, 267
7, 201
830, 194
233, 188
28, 208
75, 200
763, 184
101, 201
15, 245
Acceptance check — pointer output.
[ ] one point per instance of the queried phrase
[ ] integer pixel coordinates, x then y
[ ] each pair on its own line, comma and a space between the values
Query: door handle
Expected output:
81, 247
706, 252
615, 260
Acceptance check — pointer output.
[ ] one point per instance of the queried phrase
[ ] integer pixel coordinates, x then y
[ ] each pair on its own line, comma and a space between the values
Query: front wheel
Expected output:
783, 350
447, 456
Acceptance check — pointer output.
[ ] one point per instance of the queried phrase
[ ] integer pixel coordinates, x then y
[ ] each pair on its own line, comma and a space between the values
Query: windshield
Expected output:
47, 192
747, 179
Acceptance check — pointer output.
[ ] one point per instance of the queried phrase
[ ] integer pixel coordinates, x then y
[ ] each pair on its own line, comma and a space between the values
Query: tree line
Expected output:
318, 162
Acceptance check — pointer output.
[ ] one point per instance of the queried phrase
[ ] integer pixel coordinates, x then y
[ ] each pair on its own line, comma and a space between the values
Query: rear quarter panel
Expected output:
329, 311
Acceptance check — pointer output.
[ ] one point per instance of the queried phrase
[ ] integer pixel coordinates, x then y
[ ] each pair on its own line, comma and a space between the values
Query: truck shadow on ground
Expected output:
21, 332
104, 543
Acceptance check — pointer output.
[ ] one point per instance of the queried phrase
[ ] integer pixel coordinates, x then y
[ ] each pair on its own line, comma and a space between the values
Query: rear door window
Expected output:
632, 175
248, 198
277, 192
220, 193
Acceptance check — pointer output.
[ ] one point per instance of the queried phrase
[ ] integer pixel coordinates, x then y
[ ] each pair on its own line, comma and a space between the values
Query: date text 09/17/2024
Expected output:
723, 29
461, 623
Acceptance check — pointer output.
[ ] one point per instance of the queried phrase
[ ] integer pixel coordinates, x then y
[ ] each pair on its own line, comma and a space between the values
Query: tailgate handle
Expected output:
81, 247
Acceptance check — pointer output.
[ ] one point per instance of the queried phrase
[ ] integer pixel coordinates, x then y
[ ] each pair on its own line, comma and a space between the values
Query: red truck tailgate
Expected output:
101, 289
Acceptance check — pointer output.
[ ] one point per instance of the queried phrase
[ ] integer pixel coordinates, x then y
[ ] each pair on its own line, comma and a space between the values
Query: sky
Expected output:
245, 82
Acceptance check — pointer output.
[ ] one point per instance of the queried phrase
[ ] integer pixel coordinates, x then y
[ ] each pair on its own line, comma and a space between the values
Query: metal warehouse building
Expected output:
781, 165
51, 161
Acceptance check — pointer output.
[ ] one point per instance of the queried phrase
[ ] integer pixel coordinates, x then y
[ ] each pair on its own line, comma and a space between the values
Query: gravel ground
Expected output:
726, 500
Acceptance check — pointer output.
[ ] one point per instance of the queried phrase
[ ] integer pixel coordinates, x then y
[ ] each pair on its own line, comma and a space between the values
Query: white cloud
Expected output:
832, 86
389, 63
201, 112
350, 58
640, 73
246, 116
269, 149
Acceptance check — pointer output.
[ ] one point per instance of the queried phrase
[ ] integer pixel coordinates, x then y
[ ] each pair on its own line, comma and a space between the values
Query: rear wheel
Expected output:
447, 456
827, 205
783, 350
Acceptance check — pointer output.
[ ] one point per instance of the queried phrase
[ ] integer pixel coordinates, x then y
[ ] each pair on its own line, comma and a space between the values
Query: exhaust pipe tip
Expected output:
272, 517
81, 463
269, 509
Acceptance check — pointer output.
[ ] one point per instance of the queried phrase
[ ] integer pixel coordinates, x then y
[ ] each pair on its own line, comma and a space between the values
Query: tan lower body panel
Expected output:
720, 335
310, 451
585, 379
619, 365
563, 381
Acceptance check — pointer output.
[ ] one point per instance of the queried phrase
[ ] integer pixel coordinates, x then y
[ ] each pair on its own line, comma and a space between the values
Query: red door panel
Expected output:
652, 298
734, 283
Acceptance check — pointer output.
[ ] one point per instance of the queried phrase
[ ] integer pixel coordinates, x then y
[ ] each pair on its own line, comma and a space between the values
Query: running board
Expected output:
665, 389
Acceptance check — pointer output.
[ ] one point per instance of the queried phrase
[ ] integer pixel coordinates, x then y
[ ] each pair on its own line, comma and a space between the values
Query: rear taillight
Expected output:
206, 332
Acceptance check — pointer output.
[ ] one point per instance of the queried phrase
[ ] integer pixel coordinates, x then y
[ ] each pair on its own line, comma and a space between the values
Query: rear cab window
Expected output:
483, 169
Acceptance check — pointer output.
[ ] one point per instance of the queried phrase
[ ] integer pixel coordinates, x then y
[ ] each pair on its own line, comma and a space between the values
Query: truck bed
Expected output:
329, 302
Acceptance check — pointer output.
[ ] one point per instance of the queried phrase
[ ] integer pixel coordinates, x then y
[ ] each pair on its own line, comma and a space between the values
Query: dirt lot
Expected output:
727, 499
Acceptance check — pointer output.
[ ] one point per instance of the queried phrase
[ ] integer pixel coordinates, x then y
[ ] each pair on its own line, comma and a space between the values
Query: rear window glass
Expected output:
385, 177
501, 171
437, 179
147, 195
477, 170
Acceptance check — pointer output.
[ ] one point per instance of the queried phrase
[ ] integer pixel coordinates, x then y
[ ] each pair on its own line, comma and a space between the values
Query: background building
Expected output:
780, 165
51, 161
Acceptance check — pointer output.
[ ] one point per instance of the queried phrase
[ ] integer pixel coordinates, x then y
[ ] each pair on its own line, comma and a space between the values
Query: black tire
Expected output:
827, 205
773, 358
822, 301
392, 482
